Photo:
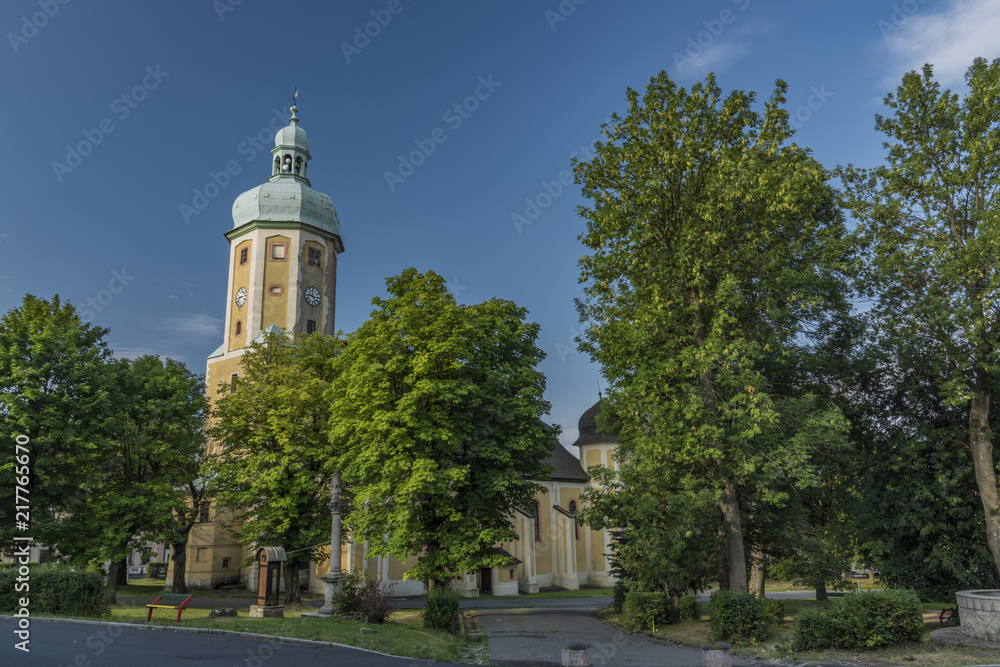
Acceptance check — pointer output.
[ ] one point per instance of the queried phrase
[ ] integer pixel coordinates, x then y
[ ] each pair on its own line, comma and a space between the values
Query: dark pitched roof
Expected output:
588, 428
565, 466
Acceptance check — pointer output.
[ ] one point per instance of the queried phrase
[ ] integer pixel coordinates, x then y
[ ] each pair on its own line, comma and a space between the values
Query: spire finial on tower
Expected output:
294, 109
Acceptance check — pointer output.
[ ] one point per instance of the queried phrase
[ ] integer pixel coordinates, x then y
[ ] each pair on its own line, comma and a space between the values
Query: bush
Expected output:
689, 608
442, 610
56, 590
618, 602
813, 630
739, 618
363, 595
156, 570
774, 608
642, 610
862, 621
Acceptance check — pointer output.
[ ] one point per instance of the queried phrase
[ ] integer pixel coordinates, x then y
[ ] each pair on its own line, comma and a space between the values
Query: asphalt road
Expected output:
55, 644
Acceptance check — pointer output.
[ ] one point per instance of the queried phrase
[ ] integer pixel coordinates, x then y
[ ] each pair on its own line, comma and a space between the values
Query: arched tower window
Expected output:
277, 164
286, 164
576, 526
298, 164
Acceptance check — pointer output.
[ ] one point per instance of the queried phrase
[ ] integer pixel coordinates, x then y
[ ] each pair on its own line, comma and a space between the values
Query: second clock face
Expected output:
241, 297
312, 296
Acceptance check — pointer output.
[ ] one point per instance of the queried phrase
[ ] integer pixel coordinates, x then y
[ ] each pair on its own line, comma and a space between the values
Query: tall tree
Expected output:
436, 407
139, 474
271, 462
54, 390
930, 224
712, 281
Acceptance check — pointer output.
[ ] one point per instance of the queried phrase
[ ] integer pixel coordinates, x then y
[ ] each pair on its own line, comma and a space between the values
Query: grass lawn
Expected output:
154, 587
403, 634
778, 645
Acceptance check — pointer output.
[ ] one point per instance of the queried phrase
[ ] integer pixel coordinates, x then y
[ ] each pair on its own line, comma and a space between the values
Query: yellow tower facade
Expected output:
283, 250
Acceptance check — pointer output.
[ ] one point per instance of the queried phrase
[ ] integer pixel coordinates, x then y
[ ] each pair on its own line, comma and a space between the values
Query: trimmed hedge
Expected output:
740, 618
442, 612
642, 610
862, 621
55, 591
689, 610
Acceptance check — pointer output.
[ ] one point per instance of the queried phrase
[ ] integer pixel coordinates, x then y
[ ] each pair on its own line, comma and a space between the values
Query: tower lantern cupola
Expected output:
291, 151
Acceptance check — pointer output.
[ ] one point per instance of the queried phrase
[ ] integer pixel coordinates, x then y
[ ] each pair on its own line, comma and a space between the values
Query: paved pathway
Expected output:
535, 636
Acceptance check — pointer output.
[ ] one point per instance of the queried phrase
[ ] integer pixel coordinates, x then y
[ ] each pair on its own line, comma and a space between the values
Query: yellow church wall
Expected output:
274, 307
543, 546
597, 548
593, 458
241, 278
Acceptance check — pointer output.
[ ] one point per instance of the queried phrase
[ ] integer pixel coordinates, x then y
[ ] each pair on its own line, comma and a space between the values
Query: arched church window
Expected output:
239, 327
277, 164
538, 521
287, 164
298, 164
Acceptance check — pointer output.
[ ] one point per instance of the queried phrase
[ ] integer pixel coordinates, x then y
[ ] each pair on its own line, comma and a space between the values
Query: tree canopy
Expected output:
271, 463
714, 289
929, 224
435, 417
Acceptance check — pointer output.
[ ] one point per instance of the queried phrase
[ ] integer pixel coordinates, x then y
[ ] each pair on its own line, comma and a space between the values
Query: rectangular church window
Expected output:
310, 326
243, 256
278, 252
314, 256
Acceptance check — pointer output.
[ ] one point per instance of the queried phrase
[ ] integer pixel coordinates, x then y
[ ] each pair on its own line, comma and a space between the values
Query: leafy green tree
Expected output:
929, 223
713, 287
138, 476
436, 410
918, 515
54, 390
271, 463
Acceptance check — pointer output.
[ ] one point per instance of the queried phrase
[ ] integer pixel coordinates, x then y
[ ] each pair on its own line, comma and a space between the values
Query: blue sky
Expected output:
160, 97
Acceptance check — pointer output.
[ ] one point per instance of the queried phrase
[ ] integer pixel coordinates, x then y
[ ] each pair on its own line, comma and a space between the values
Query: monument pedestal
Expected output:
260, 611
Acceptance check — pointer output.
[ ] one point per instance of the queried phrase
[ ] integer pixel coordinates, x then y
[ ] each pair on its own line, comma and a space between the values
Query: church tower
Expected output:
283, 251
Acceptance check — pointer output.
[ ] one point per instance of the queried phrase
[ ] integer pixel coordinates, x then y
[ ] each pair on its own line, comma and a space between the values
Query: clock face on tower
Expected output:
241, 297
312, 296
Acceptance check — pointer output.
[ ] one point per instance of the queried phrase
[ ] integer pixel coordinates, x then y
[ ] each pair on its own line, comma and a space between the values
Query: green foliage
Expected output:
773, 608
928, 226
54, 389
688, 608
56, 590
642, 610
363, 595
618, 596
435, 417
442, 612
157, 570
862, 621
714, 293
740, 618
814, 629
274, 461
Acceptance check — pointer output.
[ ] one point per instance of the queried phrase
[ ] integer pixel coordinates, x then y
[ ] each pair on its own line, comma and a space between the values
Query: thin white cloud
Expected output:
188, 324
706, 52
949, 40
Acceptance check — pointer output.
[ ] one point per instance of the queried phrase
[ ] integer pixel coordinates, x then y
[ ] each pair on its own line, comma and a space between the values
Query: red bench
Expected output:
169, 601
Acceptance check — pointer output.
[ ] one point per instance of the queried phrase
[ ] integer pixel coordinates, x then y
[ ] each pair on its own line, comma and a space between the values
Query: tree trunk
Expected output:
871, 576
114, 567
821, 592
724, 576
729, 502
178, 554
982, 459
758, 570
734, 537
292, 582
122, 572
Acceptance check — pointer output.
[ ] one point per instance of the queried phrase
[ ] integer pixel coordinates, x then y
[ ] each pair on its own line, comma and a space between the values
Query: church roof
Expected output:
286, 200
588, 428
565, 466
